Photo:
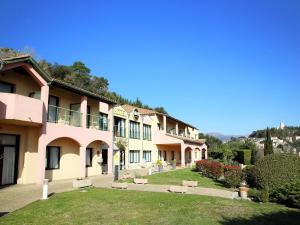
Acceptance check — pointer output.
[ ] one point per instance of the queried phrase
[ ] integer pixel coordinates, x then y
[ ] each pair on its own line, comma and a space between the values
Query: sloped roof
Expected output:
142, 111
55, 82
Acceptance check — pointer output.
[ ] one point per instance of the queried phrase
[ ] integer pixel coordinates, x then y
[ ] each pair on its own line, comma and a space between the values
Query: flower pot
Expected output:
174, 167
244, 192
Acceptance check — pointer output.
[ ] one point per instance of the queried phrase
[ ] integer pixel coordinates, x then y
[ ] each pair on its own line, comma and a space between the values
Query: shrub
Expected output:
209, 168
289, 194
275, 170
216, 169
233, 176
250, 176
244, 156
258, 195
254, 194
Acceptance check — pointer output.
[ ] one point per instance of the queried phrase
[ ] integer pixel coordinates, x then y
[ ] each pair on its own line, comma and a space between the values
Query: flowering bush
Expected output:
233, 176
210, 168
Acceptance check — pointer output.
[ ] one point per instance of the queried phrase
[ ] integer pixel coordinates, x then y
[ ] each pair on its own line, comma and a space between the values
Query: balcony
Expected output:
119, 131
64, 116
97, 122
21, 108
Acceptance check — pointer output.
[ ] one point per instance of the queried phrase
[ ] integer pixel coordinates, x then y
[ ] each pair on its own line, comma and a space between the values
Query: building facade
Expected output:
53, 130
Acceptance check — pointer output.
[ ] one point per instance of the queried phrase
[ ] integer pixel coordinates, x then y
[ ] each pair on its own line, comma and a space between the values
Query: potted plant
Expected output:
174, 163
244, 190
160, 165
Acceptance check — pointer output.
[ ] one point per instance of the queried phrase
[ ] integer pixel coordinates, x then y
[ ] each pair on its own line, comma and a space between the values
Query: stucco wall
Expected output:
69, 160
24, 83
28, 158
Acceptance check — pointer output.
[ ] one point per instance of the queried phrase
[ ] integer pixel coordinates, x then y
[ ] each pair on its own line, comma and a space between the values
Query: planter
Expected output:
244, 193
173, 167
82, 183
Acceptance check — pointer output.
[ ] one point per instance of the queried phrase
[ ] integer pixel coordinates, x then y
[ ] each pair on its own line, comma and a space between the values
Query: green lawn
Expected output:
107, 206
176, 177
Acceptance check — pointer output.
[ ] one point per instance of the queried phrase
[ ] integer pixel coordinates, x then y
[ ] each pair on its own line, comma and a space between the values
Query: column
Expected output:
182, 155
42, 145
83, 110
165, 123
110, 144
176, 128
193, 156
82, 156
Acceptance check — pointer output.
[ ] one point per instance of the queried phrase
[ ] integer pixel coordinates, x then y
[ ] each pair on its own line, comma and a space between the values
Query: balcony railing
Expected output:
64, 116
172, 131
97, 122
119, 131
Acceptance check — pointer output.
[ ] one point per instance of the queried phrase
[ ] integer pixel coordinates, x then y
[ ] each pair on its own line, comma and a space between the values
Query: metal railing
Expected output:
119, 131
64, 116
97, 122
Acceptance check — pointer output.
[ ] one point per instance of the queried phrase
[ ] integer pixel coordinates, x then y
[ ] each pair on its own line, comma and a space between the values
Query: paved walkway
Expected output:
190, 190
18, 196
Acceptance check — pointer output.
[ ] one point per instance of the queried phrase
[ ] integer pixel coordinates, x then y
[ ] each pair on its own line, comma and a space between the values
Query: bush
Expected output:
289, 194
233, 176
244, 156
210, 168
275, 170
258, 195
250, 176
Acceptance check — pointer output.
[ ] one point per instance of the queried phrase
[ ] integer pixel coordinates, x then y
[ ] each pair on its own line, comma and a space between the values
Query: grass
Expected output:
176, 177
107, 206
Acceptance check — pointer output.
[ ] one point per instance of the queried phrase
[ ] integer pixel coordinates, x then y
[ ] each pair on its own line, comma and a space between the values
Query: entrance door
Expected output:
8, 159
104, 160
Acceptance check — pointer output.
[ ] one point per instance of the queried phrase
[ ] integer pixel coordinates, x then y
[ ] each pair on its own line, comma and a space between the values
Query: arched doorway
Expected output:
203, 153
62, 159
188, 155
96, 158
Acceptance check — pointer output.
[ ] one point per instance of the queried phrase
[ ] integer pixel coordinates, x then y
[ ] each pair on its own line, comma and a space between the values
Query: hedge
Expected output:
289, 194
244, 156
273, 171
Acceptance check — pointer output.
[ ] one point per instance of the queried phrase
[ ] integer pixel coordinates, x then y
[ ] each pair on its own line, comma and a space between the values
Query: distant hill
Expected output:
223, 137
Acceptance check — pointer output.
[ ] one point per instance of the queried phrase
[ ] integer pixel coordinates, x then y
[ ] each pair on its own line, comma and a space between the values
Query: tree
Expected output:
268, 148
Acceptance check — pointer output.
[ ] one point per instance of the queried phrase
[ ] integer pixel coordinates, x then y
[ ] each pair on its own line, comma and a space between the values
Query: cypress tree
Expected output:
268, 148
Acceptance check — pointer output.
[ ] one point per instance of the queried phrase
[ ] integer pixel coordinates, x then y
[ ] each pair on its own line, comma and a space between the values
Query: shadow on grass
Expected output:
279, 218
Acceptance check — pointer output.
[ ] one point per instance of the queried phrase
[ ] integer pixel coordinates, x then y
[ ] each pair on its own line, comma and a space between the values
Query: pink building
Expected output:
53, 130
50, 129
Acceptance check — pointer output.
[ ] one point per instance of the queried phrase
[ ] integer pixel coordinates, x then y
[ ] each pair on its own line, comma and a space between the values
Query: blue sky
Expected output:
227, 66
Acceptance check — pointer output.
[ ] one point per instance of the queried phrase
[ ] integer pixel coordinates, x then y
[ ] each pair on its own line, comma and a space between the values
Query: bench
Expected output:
189, 183
178, 189
119, 185
82, 183
140, 181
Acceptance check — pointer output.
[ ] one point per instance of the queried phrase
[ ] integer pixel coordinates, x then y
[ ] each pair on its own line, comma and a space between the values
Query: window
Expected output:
134, 156
165, 155
147, 156
173, 155
159, 155
119, 127
196, 154
88, 116
53, 103
89, 157
52, 158
103, 122
147, 132
134, 130
7, 87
